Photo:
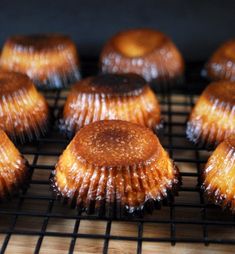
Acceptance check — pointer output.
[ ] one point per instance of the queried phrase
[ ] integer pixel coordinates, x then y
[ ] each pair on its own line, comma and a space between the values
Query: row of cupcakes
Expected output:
105, 158
52, 60
114, 166
25, 114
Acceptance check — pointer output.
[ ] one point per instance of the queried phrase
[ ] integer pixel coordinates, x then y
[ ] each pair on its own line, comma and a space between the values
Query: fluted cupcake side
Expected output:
213, 117
114, 190
81, 110
219, 175
14, 169
24, 113
221, 65
50, 60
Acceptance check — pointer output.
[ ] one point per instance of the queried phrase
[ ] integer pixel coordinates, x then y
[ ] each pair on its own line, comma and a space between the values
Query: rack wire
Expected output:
189, 218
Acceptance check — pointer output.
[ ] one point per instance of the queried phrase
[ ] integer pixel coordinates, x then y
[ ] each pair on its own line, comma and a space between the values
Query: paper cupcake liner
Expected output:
102, 208
58, 80
7, 193
217, 173
212, 118
142, 109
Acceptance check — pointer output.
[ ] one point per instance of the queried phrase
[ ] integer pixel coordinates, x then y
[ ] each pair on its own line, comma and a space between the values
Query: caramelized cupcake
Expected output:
112, 167
221, 66
219, 174
24, 113
110, 96
213, 117
50, 60
146, 52
14, 170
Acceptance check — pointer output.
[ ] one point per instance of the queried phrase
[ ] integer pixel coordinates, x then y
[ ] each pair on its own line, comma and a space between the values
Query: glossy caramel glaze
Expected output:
221, 66
219, 174
110, 96
146, 52
213, 117
50, 60
114, 163
14, 169
24, 112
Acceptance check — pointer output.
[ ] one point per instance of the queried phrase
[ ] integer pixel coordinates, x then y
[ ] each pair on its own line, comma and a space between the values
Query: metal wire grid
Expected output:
188, 218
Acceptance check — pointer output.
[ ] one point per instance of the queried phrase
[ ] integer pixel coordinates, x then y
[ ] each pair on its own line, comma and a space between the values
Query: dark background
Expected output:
197, 27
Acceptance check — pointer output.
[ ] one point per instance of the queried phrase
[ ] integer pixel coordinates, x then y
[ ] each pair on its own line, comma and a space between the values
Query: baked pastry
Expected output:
14, 169
213, 117
50, 60
24, 113
110, 96
221, 66
146, 52
219, 174
112, 167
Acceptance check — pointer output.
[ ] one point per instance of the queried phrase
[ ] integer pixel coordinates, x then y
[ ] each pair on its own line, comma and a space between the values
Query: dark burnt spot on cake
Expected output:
113, 84
11, 82
223, 92
115, 143
39, 42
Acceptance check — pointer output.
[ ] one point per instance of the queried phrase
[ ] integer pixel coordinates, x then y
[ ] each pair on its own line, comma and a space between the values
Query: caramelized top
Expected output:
138, 42
4, 138
115, 143
227, 50
224, 91
230, 50
231, 141
113, 84
11, 82
39, 42
8, 152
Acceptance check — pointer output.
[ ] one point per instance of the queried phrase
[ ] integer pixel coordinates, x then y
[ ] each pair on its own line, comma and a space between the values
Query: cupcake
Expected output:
50, 60
114, 167
14, 169
146, 52
221, 66
213, 117
24, 112
219, 174
110, 96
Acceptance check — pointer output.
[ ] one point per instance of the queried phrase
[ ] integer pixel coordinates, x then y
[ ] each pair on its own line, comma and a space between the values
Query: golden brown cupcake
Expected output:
50, 60
24, 112
110, 96
213, 117
146, 52
14, 169
113, 166
219, 174
221, 66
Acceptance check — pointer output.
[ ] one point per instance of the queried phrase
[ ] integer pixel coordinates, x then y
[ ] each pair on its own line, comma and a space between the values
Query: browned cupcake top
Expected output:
231, 141
113, 84
229, 49
138, 42
11, 82
39, 42
226, 50
115, 143
224, 91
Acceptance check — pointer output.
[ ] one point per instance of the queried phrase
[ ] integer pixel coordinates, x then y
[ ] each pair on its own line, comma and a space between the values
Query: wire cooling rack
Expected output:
35, 222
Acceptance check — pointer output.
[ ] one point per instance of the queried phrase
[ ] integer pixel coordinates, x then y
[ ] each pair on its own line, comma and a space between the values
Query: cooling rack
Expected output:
35, 222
